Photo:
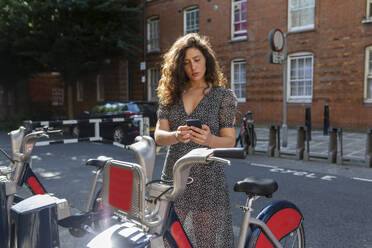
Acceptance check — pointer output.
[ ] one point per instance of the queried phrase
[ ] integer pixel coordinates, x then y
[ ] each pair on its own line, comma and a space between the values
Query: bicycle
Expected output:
145, 213
247, 137
19, 173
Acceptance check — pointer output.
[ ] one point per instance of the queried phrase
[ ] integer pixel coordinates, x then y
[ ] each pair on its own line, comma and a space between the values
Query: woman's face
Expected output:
194, 64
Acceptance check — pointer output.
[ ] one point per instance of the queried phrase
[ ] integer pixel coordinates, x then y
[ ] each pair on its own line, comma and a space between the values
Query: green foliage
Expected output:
73, 37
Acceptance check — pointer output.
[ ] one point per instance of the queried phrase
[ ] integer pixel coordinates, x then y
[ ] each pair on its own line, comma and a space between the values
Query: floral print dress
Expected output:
204, 208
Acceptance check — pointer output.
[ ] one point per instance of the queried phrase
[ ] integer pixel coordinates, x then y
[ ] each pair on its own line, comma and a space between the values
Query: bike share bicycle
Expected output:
247, 137
33, 222
146, 216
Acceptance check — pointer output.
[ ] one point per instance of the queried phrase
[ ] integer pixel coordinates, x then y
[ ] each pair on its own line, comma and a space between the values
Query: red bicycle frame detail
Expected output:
32, 182
179, 236
281, 223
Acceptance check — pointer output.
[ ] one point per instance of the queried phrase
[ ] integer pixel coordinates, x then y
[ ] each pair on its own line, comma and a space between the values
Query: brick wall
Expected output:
338, 44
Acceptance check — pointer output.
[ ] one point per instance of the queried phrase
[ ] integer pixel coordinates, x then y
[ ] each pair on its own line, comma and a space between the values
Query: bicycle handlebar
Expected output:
183, 165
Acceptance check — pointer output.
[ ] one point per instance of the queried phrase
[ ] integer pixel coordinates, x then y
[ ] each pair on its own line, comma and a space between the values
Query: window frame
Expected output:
186, 11
299, 28
367, 74
299, 99
234, 36
369, 10
149, 76
100, 87
233, 62
150, 31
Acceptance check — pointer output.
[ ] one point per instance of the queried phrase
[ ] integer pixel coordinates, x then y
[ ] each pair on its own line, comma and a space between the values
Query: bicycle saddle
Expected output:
98, 162
253, 186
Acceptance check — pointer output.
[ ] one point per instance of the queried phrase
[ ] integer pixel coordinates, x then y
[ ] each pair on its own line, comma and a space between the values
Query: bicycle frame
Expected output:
19, 172
156, 219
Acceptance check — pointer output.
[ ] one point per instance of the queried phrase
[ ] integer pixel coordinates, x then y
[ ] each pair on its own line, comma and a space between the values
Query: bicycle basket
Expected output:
124, 189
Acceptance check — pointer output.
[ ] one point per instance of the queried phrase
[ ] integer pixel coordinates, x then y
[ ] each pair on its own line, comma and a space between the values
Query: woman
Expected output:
192, 87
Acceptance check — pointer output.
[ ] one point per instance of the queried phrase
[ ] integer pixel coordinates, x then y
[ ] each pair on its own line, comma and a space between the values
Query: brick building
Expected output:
329, 48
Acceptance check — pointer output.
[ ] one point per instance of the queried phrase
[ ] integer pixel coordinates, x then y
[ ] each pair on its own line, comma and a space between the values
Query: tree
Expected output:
72, 37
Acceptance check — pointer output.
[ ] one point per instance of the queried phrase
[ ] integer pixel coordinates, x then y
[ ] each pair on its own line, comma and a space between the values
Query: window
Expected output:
191, 20
300, 77
301, 15
57, 96
100, 88
238, 79
368, 76
153, 34
239, 19
153, 76
369, 9
79, 91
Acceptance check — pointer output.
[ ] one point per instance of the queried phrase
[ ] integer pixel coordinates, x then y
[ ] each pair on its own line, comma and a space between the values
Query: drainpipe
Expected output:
144, 48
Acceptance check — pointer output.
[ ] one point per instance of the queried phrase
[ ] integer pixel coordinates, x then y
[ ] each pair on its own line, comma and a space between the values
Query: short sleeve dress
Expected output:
204, 208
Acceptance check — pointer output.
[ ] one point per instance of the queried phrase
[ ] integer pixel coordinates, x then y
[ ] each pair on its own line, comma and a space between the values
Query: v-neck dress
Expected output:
208, 194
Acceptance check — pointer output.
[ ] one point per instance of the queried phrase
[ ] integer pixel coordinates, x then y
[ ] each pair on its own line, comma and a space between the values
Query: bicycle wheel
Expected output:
285, 221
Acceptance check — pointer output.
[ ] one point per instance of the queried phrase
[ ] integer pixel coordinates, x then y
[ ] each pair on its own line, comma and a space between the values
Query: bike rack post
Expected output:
4, 226
340, 147
369, 147
251, 141
273, 148
300, 148
332, 146
272, 141
277, 147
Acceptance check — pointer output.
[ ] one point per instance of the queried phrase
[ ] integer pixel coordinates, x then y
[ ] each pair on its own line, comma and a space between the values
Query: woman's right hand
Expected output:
183, 134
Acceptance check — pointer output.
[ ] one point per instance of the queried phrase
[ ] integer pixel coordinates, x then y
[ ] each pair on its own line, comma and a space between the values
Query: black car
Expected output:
122, 132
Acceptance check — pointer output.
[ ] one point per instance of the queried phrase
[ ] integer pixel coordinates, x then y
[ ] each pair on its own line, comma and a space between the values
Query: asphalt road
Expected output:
334, 200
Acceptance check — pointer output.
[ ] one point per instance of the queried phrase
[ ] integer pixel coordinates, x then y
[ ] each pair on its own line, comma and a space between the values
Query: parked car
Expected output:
122, 132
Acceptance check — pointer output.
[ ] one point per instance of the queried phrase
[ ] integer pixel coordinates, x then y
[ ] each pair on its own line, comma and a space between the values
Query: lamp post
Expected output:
278, 55
284, 126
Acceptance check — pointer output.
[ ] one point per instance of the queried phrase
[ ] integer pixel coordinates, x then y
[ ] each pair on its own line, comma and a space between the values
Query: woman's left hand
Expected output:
201, 136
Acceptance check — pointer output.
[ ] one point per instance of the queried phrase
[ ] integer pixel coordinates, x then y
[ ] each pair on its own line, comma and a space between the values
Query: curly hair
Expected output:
174, 80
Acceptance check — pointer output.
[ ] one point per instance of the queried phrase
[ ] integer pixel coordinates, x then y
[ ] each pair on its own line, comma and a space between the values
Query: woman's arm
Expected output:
204, 137
165, 137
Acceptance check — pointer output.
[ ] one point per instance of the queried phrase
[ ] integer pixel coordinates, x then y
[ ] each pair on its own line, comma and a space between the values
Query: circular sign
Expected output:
276, 39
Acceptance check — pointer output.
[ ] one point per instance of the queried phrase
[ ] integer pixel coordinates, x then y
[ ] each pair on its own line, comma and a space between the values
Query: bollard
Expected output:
308, 123
250, 148
369, 148
307, 145
300, 148
332, 146
326, 120
272, 141
339, 147
277, 147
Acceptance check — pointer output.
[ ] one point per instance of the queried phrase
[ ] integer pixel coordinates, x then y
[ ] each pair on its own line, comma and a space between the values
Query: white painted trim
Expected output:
185, 11
298, 28
366, 70
240, 99
299, 99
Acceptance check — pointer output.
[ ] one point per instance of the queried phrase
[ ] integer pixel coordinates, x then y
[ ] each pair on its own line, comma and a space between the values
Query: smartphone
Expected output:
194, 122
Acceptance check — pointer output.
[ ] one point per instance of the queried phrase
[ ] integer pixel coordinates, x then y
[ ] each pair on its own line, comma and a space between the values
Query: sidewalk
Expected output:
354, 144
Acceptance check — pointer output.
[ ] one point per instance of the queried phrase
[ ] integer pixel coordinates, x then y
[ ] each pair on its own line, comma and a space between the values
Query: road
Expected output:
334, 200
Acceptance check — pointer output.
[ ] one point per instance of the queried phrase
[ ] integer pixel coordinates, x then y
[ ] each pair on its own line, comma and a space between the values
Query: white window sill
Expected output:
301, 29
239, 38
241, 100
367, 20
299, 100
368, 101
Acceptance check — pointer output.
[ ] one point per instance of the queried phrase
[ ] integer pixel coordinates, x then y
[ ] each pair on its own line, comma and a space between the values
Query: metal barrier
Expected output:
144, 128
335, 147
368, 155
273, 149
